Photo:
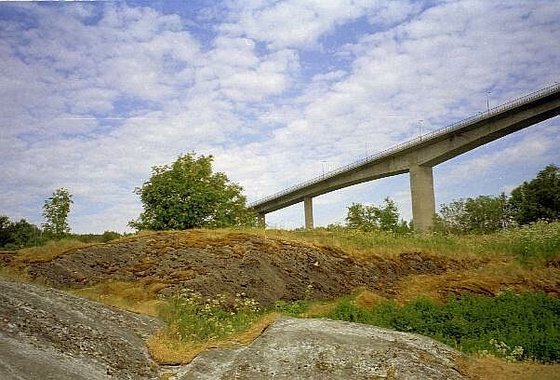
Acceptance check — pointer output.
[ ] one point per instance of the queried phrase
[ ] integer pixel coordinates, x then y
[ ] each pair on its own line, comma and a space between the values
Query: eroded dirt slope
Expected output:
263, 268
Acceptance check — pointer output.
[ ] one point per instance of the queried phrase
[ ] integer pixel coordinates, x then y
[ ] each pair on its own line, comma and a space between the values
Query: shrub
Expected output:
509, 325
196, 319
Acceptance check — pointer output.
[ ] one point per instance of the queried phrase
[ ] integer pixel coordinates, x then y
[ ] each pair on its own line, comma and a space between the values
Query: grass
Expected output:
138, 297
51, 250
516, 259
536, 242
511, 326
530, 245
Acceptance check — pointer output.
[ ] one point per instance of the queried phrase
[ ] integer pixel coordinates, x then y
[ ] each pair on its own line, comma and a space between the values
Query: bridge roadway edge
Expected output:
419, 158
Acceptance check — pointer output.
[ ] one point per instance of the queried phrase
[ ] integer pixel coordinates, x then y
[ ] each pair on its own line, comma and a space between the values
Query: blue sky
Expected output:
94, 94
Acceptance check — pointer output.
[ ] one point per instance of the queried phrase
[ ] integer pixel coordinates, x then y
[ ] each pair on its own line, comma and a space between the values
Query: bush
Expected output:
533, 243
197, 319
511, 326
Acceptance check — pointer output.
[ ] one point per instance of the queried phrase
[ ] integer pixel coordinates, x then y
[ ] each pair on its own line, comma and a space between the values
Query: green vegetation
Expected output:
531, 244
369, 218
187, 194
511, 326
483, 214
55, 212
538, 199
16, 235
22, 234
524, 326
196, 319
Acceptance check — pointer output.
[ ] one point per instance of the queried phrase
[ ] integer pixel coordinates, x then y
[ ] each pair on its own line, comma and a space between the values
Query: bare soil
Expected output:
265, 269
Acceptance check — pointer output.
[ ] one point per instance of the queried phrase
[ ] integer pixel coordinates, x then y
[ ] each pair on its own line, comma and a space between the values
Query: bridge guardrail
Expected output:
417, 140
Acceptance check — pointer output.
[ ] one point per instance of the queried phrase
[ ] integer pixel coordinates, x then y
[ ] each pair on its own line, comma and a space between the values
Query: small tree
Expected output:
539, 198
187, 194
55, 212
482, 214
370, 218
362, 217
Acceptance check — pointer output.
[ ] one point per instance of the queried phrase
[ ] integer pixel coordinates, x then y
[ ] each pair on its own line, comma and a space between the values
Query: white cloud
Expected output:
93, 95
294, 23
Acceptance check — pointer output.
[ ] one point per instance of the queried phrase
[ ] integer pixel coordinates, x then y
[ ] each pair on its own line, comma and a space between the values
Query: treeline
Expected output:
532, 201
22, 234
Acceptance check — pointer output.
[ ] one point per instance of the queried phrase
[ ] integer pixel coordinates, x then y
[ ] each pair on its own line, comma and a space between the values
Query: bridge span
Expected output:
418, 156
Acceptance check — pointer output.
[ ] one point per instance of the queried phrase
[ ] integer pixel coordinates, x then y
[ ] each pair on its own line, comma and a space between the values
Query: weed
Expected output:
510, 326
195, 318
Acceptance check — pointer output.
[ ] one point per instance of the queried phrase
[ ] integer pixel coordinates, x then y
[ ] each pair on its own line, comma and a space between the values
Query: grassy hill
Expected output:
222, 287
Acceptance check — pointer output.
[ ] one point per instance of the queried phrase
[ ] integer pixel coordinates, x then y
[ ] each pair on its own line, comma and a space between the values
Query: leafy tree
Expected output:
482, 214
362, 217
370, 217
55, 211
15, 235
538, 199
187, 194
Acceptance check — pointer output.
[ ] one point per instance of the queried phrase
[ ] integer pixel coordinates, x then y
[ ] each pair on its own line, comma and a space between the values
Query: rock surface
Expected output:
47, 334
323, 349
266, 269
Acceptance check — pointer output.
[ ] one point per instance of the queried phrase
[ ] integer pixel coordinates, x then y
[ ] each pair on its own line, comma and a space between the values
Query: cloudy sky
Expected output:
92, 95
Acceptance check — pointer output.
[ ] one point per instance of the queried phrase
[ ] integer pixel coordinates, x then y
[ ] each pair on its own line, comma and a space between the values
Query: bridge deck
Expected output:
361, 170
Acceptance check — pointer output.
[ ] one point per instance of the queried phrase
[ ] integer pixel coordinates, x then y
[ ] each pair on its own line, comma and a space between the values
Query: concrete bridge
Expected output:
420, 155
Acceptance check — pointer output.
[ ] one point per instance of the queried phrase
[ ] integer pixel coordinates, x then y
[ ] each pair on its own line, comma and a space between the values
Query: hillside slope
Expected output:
265, 269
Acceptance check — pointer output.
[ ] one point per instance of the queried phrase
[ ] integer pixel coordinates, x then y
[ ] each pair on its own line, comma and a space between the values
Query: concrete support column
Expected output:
261, 222
423, 199
308, 209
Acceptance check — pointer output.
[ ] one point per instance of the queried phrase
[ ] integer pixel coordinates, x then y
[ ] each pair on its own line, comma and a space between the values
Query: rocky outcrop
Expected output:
48, 334
323, 349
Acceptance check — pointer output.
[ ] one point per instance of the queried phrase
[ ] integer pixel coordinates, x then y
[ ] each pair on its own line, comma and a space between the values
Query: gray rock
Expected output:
48, 334
323, 349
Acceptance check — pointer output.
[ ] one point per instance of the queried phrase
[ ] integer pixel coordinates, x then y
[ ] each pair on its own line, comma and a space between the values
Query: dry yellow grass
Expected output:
166, 348
490, 279
47, 252
489, 367
138, 297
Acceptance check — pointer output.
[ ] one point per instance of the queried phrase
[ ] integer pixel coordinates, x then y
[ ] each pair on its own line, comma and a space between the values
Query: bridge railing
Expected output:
417, 140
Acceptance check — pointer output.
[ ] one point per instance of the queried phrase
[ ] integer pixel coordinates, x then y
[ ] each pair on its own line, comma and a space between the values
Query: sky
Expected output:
94, 94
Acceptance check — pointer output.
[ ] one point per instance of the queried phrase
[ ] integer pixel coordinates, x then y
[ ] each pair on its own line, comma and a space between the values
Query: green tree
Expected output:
370, 217
538, 199
187, 194
15, 235
362, 217
55, 212
482, 214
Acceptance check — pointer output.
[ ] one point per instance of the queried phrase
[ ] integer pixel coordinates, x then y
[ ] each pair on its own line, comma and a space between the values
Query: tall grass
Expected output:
536, 242
47, 252
525, 326
195, 319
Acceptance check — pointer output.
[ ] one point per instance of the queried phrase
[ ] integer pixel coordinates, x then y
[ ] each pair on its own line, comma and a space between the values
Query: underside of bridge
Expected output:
419, 156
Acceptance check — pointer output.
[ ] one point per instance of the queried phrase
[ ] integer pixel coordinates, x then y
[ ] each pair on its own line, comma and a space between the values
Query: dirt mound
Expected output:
6, 257
47, 334
266, 269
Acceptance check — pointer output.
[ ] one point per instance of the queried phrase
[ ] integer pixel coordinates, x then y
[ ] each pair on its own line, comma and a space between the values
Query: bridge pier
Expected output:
261, 221
308, 210
423, 199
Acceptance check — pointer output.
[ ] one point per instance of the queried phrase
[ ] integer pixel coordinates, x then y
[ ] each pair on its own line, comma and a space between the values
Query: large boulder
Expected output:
324, 349
48, 334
